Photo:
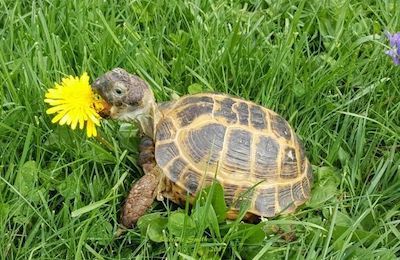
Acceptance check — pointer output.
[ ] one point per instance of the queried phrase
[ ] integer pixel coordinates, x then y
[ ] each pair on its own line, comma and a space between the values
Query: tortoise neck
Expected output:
148, 122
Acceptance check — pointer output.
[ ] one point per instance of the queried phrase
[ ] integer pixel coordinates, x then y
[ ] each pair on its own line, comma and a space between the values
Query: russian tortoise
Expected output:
191, 141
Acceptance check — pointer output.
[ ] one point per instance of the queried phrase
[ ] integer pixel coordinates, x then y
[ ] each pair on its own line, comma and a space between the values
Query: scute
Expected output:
205, 143
191, 181
289, 164
298, 191
225, 110
307, 180
258, 117
238, 152
266, 164
243, 112
281, 127
165, 130
166, 153
190, 100
309, 173
246, 147
285, 199
265, 201
230, 190
175, 170
193, 111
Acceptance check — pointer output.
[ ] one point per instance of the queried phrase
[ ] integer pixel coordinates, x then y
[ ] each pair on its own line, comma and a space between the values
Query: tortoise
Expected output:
189, 142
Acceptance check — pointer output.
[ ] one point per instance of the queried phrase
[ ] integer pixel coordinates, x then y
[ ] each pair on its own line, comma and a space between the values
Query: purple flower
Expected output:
394, 52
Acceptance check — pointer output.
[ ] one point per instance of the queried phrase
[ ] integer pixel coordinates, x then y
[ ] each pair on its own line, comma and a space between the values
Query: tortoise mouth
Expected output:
106, 111
98, 87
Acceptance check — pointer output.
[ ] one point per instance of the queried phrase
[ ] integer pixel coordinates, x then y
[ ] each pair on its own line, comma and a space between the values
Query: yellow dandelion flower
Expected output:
74, 102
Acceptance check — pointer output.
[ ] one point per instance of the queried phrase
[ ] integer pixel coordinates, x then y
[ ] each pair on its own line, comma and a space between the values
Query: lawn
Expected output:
320, 64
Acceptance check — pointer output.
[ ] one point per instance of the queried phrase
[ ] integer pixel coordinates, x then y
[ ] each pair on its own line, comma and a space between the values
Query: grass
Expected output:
320, 64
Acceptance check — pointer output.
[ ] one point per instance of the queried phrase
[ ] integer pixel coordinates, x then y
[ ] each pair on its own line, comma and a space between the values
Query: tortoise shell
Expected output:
246, 147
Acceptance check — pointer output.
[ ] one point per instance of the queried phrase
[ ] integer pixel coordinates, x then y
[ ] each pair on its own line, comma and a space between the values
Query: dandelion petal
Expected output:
74, 104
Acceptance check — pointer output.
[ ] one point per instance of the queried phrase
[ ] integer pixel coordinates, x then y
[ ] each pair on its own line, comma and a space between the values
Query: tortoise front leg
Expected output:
143, 191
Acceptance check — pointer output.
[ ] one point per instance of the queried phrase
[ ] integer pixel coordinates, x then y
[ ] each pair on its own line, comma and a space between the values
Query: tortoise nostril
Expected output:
96, 84
99, 85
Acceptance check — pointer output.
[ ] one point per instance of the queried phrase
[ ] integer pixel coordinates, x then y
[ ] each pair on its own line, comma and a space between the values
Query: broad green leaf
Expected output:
206, 215
341, 233
101, 231
23, 214
355, 252
195, 88
217, 199
155, 231
145, 220
59, 138
69, 187
299, 90
254, 234
181, 225
50, 176
218, 202
153, 225
174, 96
250, 234
327, 174
127, 130
128, 137
320, 194
343, 219
325, 186
368, 223
315, 220
27, 180
250, 252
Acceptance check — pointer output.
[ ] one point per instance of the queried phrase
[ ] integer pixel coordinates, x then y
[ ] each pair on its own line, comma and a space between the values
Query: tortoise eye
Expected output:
118, 91
119, 88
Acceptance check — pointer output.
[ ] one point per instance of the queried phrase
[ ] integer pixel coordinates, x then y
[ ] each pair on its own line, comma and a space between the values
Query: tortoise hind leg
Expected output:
143, 191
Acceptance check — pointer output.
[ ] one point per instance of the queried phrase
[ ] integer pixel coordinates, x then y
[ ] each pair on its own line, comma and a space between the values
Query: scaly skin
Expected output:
140, 198
144, 191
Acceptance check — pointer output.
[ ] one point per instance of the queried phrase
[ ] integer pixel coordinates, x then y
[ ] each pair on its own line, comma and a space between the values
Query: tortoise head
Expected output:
128, 96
